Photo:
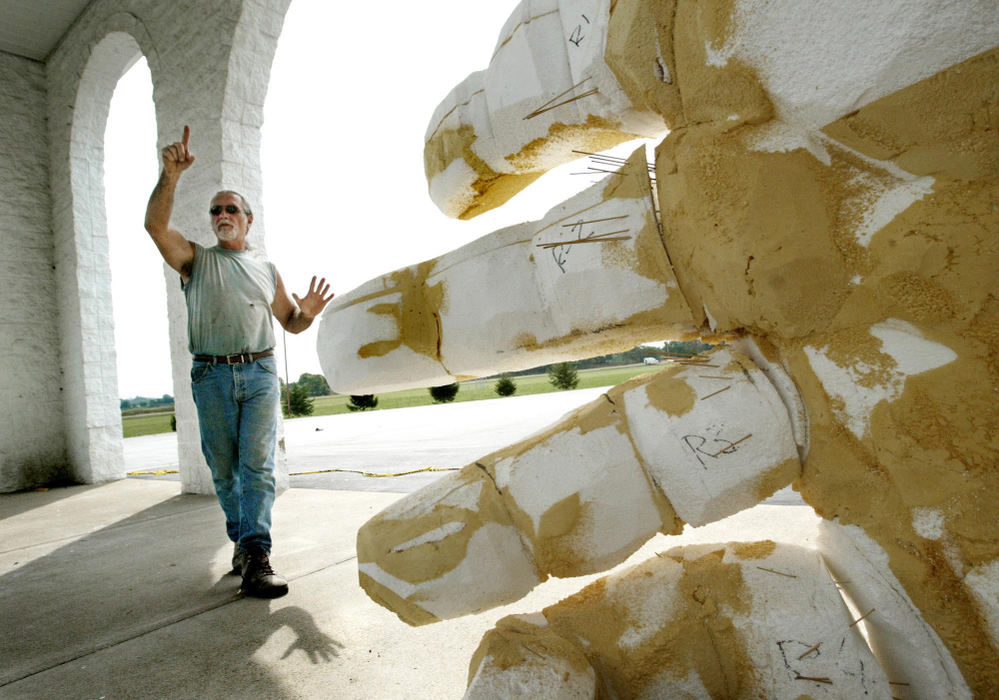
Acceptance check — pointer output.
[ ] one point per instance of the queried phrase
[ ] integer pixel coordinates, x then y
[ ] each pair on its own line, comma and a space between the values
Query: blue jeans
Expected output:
238, 413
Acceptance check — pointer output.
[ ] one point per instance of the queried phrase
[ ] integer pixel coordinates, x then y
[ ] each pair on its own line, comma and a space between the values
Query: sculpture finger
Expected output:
547, 92
691, 443
907, 647
592, 277
731, 620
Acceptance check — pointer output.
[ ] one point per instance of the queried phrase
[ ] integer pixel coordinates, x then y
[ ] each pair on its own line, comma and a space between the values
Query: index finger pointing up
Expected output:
187, 135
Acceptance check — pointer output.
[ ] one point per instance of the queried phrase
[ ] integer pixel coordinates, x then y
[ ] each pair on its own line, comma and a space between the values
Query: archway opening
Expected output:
141, 334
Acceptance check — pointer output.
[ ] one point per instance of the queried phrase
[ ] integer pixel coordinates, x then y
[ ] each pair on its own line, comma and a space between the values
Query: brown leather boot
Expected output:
259, 579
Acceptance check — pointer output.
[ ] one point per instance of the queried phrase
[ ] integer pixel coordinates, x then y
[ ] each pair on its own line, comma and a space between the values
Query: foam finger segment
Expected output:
592, 277
547, 92
736, 620
579, 497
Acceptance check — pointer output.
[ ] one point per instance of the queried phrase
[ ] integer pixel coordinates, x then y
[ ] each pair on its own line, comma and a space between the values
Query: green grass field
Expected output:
134, 426
474, 390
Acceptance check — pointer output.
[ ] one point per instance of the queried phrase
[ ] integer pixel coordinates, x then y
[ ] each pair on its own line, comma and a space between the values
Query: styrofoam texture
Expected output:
600, 467
786, 389
821, 61
904, 343
347, 325
503, 296
535, 65
585, 292
908, 648
494, 571
503, 288
983, 582
792, 605
791, 615
541, 673
678, 449
452, 187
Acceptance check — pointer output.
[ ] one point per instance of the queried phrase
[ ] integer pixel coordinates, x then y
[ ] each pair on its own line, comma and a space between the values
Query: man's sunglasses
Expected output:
229, 209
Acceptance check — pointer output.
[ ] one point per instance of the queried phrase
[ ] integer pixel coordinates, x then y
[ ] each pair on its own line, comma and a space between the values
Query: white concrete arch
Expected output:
93, 418
225, 112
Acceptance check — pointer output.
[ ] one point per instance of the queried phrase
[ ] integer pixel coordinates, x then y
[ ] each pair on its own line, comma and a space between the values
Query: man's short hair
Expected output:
246, 205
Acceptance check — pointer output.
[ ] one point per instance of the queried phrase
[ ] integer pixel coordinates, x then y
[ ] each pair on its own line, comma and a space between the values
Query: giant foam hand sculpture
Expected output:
826, 208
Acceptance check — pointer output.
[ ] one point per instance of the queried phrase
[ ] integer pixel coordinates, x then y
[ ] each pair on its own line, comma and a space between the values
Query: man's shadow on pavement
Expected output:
315, 644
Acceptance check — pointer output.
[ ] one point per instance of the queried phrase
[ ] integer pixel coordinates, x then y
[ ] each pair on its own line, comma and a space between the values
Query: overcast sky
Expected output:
352, 88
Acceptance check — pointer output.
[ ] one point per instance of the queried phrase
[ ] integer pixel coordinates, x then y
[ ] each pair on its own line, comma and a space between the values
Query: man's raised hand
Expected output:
177, 157
313, 303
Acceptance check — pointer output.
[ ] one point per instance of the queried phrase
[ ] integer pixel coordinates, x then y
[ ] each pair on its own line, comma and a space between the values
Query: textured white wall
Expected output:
32, 438
210, 62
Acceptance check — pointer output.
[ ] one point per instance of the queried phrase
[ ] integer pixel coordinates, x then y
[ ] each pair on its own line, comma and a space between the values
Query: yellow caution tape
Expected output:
355, 471
163, 472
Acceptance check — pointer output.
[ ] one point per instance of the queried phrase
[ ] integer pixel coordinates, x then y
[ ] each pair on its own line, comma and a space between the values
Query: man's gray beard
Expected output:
226, 234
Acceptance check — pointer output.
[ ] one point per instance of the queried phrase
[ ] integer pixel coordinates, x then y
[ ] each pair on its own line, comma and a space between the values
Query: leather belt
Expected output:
234, 359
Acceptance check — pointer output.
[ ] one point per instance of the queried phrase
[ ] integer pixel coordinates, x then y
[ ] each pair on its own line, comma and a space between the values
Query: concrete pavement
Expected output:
121, 591
322, 451
391, 441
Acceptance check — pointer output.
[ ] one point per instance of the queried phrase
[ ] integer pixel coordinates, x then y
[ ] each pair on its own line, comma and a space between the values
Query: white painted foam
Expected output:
928, 523
906, 646
452, 489
495, 570
451, 189
887, 202
349, 323
780, 137
708, 462
435, 535
820, 61
913, 353
690, 686
786, 389
599, 468
712, 323
902, 343
547, 70
651, 606
794, 624
539, 674
983, 582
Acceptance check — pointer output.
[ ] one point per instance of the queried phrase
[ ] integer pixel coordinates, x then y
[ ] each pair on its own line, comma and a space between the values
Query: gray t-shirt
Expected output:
229, 299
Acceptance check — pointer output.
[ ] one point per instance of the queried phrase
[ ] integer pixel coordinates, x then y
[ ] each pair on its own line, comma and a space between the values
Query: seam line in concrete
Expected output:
113, 526
323, 568
143, 631
158, 625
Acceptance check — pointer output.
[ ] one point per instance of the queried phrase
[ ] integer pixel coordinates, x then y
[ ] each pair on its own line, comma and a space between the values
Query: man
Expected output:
231, 293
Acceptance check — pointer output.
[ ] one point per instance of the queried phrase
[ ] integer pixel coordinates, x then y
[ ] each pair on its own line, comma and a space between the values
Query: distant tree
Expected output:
362, 402
145, 402
173, 422
444, 394
505, 386
686, 347
315, 384
298, 403
563, 375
